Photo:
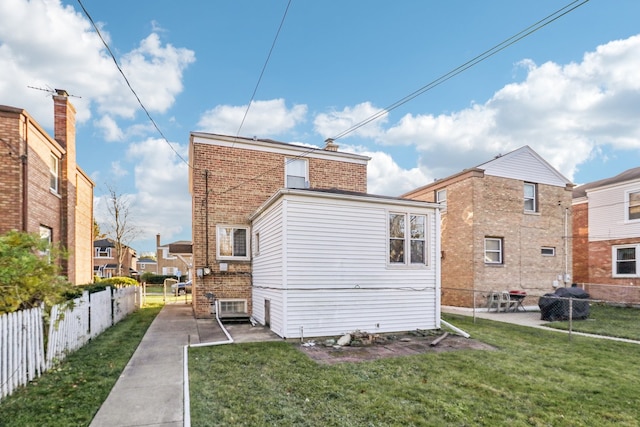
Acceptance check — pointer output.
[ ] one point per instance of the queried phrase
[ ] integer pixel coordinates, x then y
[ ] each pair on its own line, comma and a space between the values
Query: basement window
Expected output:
231, 307
548, 251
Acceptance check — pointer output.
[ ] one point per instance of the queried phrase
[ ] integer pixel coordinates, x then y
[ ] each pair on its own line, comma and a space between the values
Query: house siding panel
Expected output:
607, 214
336, 273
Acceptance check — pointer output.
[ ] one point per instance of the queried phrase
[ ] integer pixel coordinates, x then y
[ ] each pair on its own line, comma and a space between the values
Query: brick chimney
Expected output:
329, 145
64, 130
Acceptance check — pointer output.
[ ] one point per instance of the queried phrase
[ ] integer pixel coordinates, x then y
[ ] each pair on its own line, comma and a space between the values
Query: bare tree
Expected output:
120, 227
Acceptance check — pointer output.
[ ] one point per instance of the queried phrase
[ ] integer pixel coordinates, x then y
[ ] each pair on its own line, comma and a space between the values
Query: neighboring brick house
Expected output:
230, 177
606, 242
147, 265
505, 226
174, 259
105, 260
42, 189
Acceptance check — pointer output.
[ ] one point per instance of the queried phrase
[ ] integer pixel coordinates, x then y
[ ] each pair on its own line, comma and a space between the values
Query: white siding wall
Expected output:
336, 273
524, 165
607, 214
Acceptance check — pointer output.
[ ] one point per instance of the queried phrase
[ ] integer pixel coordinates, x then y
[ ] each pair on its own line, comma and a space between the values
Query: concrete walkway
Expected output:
150, 390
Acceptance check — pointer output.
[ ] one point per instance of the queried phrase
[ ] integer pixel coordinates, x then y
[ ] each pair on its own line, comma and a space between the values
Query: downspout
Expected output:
566, 245
25, 177
206, 216
185, 368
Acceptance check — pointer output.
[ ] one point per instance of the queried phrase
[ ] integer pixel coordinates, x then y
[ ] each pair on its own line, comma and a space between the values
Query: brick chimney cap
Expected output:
62, 92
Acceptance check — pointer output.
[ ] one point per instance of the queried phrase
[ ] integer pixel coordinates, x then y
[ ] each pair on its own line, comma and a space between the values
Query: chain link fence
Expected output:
589, 308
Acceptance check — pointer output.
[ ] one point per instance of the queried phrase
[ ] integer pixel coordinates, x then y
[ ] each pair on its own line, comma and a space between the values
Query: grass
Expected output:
534, 378
623, 322
72, 393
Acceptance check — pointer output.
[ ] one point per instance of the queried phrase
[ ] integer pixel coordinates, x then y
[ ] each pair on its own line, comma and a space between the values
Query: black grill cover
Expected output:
555, 306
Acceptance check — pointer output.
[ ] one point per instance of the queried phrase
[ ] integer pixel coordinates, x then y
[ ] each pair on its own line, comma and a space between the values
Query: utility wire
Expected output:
104, 42
476, 60
264, 67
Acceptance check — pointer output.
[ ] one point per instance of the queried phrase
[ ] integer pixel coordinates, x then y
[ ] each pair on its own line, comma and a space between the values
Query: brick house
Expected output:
606, 244
105, 260
174, 259
505, 226
230, 177
147, 265
42, 189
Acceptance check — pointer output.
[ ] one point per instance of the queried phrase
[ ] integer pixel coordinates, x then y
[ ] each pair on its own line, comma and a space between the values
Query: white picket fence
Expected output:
22, 353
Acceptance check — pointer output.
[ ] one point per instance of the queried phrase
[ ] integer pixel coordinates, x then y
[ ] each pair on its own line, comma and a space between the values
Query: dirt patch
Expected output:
390, 346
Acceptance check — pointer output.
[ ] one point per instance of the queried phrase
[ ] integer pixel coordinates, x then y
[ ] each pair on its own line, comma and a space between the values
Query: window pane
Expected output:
225, 241
529, 205
240, 242
625, 254
626, 267
295, 181
417, 227
492, 257
441, 196
396, 251
492, 244
634, 205
417, 252
396, 226
529, 191
296, 167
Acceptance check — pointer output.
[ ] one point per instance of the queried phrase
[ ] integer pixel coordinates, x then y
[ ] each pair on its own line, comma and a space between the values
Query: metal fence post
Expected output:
570, 317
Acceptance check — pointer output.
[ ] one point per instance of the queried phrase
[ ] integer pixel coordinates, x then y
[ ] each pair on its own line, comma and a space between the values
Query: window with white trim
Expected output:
296, 173
548, 251
407, 239
441, 196
46, 235
530, 197
232, 243
632, 204
102, 252
625, 261
493, 250
54, 168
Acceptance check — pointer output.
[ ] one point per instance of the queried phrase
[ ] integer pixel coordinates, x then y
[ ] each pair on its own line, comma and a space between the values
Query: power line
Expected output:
264, 67
104, 42
472, 62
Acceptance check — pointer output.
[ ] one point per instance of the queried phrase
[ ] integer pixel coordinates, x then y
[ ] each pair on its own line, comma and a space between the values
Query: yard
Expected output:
534, 377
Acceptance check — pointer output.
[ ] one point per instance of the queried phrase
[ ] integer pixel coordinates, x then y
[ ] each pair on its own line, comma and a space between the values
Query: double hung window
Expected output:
633, 205
407, 239
296, 175
625, 261
493, 250
54, 167
530, 197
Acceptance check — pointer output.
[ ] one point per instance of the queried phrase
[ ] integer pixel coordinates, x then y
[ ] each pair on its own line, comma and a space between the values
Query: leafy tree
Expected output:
29, 274
97, 234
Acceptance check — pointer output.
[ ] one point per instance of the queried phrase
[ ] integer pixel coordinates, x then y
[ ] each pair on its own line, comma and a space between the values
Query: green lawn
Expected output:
71, 394
623, 322
534, 378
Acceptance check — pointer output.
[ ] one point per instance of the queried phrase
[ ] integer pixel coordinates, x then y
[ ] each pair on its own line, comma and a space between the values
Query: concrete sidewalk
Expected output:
150, 390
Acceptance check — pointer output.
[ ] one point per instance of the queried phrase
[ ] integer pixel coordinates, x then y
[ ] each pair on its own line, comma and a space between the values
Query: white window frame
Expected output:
533, 198
499, 251
219, 242
54, 174
614, 260
292, 163
99, 252
46, 234
550, 251
407, 240
629, 204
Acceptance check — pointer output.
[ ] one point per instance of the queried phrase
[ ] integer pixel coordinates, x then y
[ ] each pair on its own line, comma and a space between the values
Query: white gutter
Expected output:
185, 367
457, 330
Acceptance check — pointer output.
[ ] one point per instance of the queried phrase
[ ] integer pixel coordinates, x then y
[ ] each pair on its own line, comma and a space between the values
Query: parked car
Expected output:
181, 288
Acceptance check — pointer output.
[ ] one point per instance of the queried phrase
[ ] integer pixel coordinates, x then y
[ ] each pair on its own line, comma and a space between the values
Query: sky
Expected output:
303, 71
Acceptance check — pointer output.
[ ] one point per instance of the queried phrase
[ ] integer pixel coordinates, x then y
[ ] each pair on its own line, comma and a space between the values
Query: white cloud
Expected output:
565, 113
117, 170
35, 41
264, 119
110, 129
332, 123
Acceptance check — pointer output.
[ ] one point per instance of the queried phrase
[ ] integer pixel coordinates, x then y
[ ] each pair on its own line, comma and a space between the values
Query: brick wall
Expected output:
600, 263
580, 243
11, 166
480, 206
239, 180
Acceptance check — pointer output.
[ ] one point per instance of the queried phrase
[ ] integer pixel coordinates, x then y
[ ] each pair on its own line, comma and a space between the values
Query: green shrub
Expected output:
118, 281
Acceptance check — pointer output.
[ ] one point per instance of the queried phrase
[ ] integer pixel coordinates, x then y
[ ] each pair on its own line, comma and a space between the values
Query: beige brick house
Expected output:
230, 177
42, 189
505, 226
606, 246
105, 260
174, 259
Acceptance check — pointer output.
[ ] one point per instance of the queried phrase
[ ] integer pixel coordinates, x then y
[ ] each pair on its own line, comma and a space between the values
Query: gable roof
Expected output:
628, 175
526, 165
